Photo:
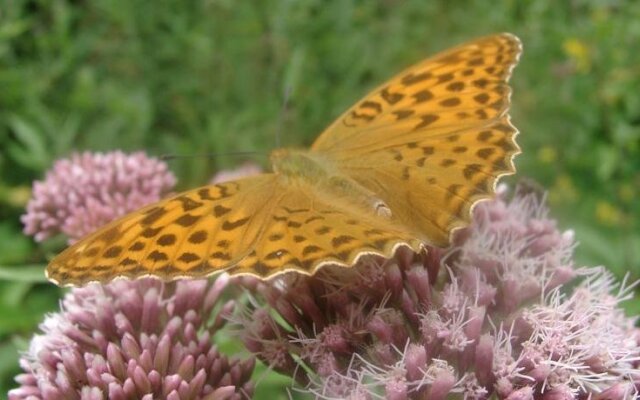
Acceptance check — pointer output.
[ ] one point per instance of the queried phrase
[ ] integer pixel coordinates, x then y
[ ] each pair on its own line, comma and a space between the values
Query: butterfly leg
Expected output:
349, 189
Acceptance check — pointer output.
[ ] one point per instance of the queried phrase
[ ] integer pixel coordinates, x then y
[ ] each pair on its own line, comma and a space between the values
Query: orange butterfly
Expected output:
403, 167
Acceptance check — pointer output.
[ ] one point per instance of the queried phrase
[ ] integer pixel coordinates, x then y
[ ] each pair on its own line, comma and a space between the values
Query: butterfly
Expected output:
403, 167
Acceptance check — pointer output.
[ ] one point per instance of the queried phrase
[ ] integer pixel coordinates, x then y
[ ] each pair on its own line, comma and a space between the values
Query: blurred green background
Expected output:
194, 77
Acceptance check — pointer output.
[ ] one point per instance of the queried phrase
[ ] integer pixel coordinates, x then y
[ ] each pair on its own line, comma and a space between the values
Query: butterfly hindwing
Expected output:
309, 228
432, 184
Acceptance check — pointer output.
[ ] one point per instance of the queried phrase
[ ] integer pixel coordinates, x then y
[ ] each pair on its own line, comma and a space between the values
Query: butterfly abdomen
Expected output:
321, 177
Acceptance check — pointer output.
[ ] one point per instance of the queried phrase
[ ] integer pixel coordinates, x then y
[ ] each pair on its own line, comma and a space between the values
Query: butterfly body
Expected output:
404, 167
301, 165
316, 175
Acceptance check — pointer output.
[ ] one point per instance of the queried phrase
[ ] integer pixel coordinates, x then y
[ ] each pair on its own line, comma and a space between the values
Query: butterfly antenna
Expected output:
283, 111
169, 157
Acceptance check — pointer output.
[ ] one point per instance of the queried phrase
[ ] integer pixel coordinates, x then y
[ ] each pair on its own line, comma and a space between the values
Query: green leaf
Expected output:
23, 273
14, 247
8, 366
30, 149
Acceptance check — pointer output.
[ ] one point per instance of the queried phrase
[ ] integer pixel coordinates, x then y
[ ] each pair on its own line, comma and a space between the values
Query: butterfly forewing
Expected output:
462, 87
193, 234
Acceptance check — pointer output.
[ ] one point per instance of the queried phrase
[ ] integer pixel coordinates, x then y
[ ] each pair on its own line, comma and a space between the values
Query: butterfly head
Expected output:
278, 157
297, 164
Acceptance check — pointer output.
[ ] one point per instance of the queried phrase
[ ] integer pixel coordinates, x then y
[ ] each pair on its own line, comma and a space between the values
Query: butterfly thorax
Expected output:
319, 174
298, 164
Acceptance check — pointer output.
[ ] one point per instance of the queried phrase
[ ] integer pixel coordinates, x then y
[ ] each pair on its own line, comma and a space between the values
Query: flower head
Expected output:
128, 339
135, 339
491, 315
83, 192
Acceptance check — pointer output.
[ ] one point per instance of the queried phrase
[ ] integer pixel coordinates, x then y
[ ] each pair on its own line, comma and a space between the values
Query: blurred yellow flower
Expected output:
607, 213
563, 190
16, 196
547, 154
578, 51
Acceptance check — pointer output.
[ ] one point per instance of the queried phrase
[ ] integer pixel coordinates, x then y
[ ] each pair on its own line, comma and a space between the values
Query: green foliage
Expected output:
202, 77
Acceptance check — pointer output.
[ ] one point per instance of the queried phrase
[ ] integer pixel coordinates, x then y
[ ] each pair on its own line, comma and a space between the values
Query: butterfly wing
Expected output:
434, 139
259, 226
192, 234
309, 228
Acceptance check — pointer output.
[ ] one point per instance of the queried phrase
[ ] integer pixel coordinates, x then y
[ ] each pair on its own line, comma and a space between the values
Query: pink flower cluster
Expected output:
493, 315
87, 190
139, 339
129, 339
